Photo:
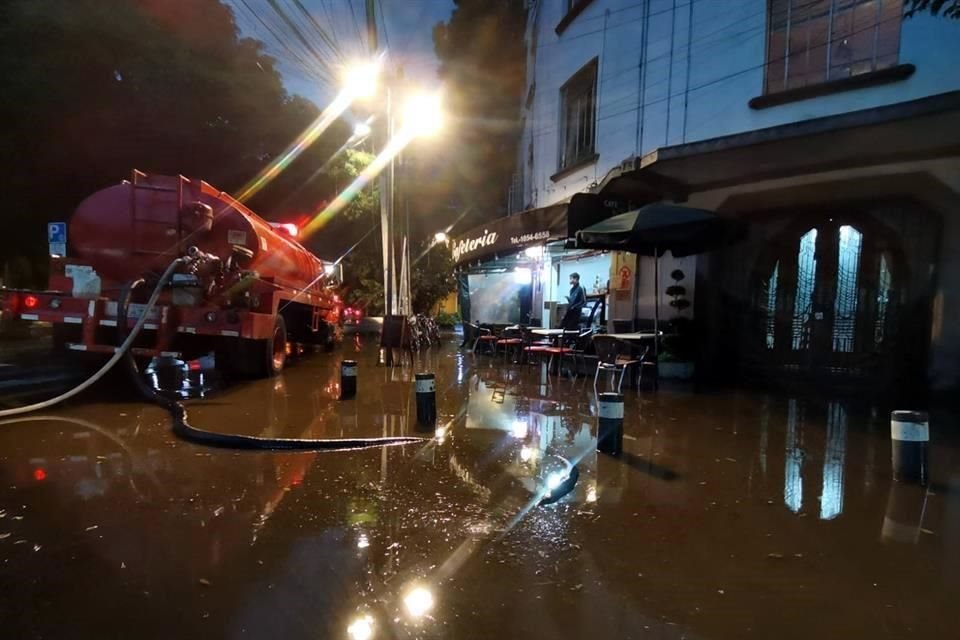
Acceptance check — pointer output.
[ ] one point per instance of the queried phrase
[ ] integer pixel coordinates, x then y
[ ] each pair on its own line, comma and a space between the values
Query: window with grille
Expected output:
815, 41
578, 116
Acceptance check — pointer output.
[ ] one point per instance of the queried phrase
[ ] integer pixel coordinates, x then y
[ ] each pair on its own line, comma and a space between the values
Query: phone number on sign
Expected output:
530, 237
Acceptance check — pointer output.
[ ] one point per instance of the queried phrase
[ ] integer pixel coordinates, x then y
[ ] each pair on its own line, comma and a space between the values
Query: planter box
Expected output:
676, 370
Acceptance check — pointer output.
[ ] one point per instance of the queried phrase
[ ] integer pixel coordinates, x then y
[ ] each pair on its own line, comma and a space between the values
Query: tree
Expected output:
482, 62
93, 88
950, 8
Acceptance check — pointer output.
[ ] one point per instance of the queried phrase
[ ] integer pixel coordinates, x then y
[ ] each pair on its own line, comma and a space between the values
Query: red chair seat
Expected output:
536, 348
558, 350
488, 338
510, 341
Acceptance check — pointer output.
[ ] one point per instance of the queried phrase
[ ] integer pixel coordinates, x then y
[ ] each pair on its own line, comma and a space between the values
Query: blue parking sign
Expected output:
57, 238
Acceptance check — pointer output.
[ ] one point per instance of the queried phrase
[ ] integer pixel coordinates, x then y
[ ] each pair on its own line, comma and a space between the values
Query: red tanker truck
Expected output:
260, 292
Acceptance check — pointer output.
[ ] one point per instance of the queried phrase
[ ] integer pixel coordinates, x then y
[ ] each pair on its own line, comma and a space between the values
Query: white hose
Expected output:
80, 388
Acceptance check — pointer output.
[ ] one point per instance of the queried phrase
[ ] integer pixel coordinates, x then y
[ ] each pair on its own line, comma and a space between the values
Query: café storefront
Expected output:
516, 269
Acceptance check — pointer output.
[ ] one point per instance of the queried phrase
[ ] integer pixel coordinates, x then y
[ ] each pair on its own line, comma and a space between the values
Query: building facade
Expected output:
832, 127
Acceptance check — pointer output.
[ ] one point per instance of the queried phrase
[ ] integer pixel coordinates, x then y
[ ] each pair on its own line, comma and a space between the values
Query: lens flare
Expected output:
333, 111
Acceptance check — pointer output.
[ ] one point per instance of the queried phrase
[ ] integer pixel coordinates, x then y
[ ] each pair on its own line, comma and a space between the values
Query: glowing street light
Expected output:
360, 81
440, 237
329, 268
423, 114
361, 130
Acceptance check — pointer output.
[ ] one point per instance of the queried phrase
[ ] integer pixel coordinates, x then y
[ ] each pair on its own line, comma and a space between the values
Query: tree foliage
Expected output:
949, 8
482, 62
94, 88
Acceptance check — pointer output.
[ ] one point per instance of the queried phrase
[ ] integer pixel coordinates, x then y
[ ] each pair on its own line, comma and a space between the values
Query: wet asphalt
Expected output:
729, 514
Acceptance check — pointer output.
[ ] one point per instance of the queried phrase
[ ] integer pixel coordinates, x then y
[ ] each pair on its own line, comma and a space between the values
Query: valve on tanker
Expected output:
196, 218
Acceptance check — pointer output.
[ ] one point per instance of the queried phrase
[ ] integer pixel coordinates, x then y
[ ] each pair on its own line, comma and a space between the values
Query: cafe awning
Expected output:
511, 233
918, 129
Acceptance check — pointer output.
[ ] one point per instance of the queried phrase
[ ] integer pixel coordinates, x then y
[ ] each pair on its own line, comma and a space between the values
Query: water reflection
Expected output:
831, 497
793, 469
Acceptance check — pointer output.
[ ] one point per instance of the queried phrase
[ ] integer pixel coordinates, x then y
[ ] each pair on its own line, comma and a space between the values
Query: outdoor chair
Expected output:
511, 340
567, 345
484, 336
533, 345
611, 359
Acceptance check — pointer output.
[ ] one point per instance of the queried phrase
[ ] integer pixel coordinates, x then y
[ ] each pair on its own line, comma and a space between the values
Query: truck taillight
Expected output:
30, 302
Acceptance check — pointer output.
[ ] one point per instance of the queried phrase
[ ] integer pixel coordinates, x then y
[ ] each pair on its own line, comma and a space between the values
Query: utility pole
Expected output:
382, 135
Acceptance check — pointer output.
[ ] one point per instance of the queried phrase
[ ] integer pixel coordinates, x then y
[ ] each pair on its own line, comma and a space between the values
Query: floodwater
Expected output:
729, 515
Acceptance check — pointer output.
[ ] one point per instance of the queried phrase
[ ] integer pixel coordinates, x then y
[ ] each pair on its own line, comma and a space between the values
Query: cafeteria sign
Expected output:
469, 245
511, 233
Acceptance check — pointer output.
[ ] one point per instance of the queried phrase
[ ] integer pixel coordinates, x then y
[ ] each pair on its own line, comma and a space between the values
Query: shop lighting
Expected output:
534, 252
522, 275
329, 268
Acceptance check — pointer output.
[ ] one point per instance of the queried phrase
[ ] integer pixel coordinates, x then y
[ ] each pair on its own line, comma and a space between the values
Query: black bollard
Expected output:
610, 431
910, 437
426, 386
348, 379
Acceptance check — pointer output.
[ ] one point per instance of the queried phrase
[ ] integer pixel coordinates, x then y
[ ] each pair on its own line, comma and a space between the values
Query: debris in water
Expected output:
4, 536
92, 527
37, 547
775, 556
123, 565
730, 459
926, 531
204, 582
576, 587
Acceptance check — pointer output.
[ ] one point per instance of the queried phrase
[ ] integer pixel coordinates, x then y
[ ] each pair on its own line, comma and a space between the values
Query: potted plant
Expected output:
676, 359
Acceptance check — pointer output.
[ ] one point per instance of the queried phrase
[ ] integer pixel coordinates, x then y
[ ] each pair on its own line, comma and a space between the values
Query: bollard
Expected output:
426, 400
610, 431
910, 436
348, 379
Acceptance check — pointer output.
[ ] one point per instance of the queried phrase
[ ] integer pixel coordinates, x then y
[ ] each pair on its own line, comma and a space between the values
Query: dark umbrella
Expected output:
657, 228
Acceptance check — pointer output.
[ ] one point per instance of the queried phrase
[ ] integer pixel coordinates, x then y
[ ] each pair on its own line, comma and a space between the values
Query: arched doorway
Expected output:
827, 297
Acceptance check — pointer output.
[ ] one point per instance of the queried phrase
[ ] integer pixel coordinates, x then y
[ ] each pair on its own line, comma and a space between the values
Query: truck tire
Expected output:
274, 356
256, 358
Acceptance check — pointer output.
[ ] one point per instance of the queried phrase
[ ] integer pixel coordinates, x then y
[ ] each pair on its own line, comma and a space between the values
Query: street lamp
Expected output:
423, 114
360, 81
440, 237
361, 130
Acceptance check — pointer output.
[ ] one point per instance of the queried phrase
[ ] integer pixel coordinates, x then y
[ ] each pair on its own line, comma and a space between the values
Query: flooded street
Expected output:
729, 515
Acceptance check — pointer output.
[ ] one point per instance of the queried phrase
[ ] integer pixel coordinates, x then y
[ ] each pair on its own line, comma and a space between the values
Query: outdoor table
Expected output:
548, 333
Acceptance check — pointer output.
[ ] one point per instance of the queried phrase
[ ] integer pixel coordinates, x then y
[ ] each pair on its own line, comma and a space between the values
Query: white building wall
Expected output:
677, 71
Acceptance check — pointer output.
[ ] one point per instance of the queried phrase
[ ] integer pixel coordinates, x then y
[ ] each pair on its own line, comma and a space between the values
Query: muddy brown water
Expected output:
730, 515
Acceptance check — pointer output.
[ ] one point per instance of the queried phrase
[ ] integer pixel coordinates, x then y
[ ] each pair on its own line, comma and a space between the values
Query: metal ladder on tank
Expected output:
135, 185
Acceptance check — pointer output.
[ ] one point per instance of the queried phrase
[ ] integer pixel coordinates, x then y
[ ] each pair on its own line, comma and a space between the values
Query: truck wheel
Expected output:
276, 349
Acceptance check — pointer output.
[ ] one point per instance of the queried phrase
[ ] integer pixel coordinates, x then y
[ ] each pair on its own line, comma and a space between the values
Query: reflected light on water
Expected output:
363, 541
441, 434
519, 429
527, 454
361, 628
418, 602
592, 494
